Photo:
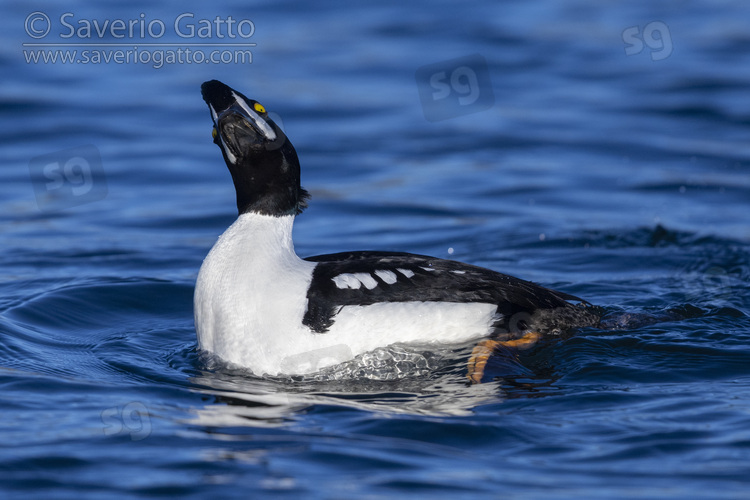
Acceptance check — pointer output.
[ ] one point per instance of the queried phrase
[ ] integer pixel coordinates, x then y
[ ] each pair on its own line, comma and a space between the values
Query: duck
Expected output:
261, 307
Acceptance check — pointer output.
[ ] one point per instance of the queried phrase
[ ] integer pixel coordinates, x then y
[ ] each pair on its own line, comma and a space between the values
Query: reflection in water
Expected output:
398, 379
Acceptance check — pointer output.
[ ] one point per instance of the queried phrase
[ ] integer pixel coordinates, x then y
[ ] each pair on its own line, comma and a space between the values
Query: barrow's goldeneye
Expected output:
260, 306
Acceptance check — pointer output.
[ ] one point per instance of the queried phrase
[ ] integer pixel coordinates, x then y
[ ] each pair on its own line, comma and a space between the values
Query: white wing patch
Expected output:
347, 280
458, 272
388, 276
428, 269
355, 281
367, 280
406, 272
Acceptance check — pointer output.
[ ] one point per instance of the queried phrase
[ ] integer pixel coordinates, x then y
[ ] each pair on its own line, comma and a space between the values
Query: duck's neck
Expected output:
265, 235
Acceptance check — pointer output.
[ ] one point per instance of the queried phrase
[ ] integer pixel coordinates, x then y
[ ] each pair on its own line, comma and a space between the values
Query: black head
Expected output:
260, 157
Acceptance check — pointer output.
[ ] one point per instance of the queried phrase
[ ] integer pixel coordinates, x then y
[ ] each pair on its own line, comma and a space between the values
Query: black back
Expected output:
445, 281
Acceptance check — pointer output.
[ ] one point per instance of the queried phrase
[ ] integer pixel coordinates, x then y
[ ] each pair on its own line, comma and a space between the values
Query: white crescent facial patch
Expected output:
262, 125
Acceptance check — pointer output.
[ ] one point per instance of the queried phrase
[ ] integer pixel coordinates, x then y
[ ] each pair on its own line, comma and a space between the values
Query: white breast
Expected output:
250, 295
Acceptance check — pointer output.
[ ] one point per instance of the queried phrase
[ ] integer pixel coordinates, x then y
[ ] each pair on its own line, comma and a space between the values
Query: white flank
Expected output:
364, 328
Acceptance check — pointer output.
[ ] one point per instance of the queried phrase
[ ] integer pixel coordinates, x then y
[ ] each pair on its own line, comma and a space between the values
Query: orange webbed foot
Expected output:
484, 349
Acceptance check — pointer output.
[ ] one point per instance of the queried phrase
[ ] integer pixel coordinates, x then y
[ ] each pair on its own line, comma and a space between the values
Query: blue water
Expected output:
619, 175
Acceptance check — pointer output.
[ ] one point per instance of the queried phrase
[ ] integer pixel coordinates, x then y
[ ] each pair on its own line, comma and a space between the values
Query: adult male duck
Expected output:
260, 306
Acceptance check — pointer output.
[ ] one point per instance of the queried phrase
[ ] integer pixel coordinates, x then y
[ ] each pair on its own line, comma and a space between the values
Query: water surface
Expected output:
620, 178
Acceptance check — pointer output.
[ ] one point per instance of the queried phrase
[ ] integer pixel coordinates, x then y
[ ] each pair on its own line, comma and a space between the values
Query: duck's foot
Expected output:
483, 350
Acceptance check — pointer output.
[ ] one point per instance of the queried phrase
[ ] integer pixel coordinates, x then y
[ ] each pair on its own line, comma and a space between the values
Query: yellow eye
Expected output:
214, 133
259, 107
